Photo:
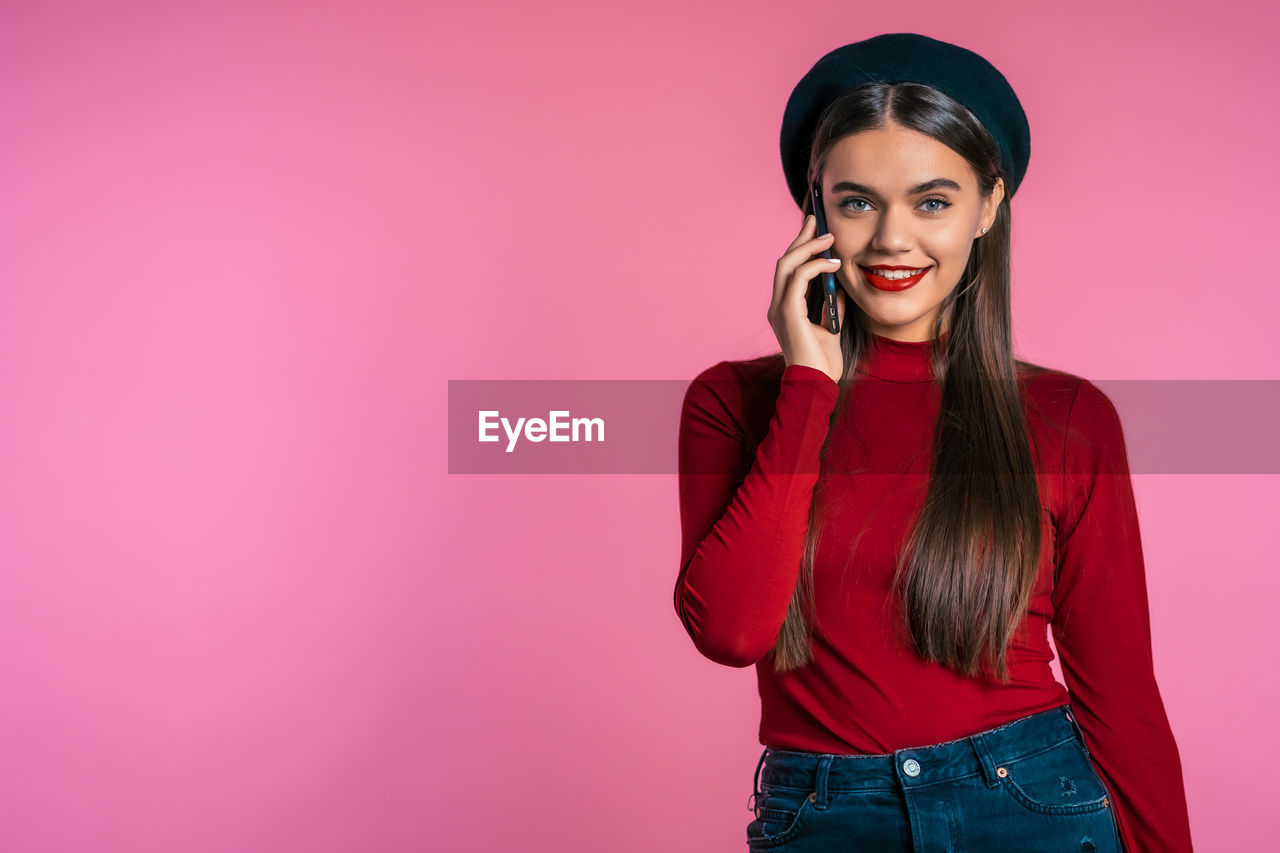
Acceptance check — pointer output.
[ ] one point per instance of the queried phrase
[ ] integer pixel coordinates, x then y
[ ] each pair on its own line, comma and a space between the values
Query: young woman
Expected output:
886, 522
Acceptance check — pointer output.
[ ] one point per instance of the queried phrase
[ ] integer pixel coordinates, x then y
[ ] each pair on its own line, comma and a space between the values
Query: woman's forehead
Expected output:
893, 161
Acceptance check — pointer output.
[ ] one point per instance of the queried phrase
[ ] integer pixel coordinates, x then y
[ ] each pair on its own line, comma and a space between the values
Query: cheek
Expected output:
950, 247
847, 240
946, 243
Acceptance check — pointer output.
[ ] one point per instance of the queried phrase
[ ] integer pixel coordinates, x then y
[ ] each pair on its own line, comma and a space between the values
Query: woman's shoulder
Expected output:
751, 372
742, 380
1071, 404
737, 392
1046, 382
1047, 385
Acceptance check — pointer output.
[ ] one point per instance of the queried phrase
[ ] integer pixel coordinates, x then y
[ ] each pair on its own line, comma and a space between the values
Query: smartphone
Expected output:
826, 298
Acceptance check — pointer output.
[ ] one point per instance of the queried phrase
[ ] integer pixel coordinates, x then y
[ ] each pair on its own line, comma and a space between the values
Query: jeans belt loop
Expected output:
983, 752
820, 784
1075, 726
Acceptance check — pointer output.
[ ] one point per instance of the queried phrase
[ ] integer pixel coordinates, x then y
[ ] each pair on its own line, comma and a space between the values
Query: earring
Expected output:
984, 231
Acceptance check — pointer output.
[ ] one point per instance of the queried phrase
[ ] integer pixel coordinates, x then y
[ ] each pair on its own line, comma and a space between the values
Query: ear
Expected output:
990, 206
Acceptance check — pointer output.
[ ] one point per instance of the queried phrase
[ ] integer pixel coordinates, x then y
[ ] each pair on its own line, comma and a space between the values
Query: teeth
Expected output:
897, 274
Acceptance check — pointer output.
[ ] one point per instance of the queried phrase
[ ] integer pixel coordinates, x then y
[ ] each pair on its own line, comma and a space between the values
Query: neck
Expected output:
899, 361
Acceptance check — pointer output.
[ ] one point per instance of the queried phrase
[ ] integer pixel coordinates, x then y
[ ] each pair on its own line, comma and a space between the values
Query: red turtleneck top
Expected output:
749, 443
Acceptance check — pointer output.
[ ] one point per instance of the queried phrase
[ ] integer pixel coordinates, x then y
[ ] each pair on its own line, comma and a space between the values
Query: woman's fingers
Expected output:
805, 275
798, 254
800, 267
806, 232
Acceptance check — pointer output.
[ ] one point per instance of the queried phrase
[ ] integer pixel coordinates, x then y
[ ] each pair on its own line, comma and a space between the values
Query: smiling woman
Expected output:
887, 521
893, 232
900, 234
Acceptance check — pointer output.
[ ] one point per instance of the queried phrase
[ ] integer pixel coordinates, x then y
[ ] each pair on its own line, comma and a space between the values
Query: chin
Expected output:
898, 323
891, 321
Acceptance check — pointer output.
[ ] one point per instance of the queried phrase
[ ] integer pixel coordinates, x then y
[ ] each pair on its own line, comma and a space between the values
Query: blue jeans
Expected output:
1028, 785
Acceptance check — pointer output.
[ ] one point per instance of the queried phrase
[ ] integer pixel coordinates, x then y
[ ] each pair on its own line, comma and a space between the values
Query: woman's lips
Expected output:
881, 283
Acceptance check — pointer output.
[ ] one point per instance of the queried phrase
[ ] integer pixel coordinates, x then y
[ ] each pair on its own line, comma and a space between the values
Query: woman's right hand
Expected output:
802, 341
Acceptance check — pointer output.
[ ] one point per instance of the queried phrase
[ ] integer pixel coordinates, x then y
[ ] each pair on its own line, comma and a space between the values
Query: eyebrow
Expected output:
933, 184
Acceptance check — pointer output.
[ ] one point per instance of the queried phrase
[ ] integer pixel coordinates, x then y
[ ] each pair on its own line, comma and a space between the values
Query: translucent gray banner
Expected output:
609, 426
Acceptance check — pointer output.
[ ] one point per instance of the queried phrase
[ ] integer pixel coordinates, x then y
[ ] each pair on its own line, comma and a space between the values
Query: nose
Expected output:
893, 233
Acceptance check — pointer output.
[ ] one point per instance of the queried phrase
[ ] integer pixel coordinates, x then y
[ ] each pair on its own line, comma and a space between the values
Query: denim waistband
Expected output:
920, 766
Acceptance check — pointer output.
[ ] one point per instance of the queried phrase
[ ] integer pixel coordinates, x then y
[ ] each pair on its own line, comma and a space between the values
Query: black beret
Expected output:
909, 57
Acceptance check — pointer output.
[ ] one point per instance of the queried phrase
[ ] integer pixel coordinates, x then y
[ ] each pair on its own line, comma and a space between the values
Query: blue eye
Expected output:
944, 204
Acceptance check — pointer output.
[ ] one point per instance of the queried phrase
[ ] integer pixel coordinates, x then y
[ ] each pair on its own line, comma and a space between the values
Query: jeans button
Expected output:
911, 767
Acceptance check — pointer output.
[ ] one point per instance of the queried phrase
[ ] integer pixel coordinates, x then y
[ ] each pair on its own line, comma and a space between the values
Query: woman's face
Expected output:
896, 197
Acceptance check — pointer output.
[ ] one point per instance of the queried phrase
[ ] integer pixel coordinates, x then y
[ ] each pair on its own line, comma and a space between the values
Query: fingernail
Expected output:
834, 260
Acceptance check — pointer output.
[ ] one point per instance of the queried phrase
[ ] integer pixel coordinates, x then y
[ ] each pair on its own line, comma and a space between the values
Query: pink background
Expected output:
246, 244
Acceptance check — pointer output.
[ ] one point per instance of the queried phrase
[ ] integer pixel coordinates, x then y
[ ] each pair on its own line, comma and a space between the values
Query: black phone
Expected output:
821, 301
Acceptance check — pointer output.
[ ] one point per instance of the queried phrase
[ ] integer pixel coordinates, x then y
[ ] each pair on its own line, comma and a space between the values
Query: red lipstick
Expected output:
879, 282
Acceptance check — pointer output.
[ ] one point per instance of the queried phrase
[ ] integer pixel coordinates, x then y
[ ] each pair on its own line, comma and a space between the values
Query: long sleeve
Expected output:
1101, 627
743, 519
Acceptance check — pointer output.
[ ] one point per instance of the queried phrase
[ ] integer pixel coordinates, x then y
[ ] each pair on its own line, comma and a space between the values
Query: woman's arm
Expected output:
1102, 630
743, 521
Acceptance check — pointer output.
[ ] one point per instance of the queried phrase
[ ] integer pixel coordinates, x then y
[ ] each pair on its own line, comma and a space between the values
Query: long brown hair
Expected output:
968, 566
